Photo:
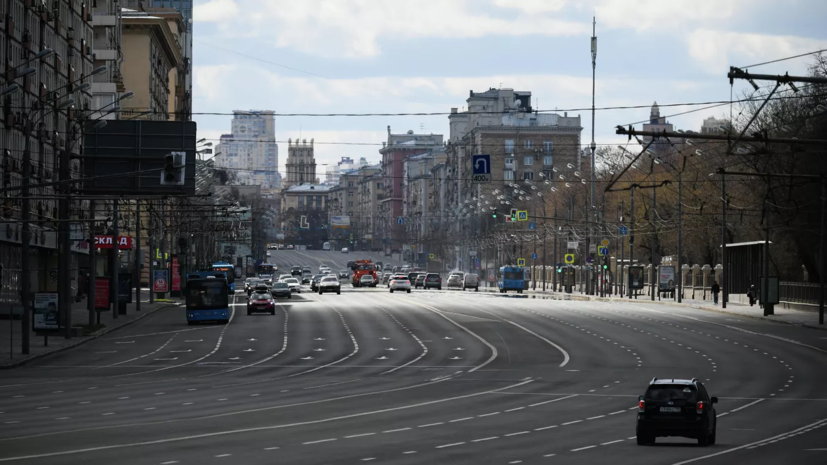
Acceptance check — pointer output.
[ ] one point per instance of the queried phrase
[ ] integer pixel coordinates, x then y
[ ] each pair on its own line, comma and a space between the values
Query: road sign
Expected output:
589, 259
592, 248
473, 253
521, 262
569, 258
400, 220
522, 215
624, 231
603, 251
534, 256
605, 242
304, 224
159, 281
531, 226
482, 168
430, 256
572, 245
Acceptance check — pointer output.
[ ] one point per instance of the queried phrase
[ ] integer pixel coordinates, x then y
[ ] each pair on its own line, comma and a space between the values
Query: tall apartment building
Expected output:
251, 149
33, 123
301, 164
332, 173
106, 48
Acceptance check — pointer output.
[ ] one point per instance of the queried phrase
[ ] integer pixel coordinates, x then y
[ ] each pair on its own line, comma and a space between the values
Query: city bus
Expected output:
229, 270
511, 278
206, 297
266, 271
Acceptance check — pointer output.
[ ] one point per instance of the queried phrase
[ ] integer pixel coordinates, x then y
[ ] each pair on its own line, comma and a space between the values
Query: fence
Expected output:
805, 293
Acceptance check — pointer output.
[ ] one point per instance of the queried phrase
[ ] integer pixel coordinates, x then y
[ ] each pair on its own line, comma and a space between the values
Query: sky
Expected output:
424, 56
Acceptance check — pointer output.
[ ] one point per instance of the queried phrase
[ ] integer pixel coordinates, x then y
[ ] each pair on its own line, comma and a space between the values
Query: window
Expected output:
527, 143
529, 160
528, 175
350, 204
509, 146
508, 175
509, 163
548, 160
548, 146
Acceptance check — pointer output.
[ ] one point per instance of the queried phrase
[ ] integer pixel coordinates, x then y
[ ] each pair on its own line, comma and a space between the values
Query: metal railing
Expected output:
807, 293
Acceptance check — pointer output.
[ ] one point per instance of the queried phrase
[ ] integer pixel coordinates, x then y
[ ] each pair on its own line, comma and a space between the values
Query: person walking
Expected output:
752, 295
715, 290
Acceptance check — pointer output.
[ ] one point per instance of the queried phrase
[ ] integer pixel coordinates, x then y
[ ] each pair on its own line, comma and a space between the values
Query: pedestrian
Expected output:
752, 295
715, 290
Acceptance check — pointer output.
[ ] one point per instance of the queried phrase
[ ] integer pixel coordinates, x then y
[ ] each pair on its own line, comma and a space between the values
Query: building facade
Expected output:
250, 150
108, 86
417, 206
658, 123
301, 163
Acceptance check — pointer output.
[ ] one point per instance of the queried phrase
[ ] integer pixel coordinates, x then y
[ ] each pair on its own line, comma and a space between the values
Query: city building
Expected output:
153, 65
714, 125
368, 231
346, 200
394, 151
658, 123
333, 172
301, 164
106, 48
250, 150
304, 217
416, 207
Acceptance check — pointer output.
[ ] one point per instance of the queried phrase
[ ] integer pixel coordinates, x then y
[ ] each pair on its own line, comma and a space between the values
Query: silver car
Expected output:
471, 281
399, 282
295, 285
454, 280
386, 277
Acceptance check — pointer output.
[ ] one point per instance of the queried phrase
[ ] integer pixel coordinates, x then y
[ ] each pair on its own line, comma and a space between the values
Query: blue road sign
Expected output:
534, 256
522, 215
624, 231
400, 220
603, 251
481, 165
531, 226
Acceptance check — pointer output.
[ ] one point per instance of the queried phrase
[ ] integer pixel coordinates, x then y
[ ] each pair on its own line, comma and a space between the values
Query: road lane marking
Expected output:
431, 424
583, 448
745, 406
360, 435
461, 419
396, 430
514, 409
271, 448
319, 441
595, 418
517, 433
222, 455
486, 439
450, 445
545, 428
409, 452
488, 414
612, 442
169, 462
573, 422
619, 411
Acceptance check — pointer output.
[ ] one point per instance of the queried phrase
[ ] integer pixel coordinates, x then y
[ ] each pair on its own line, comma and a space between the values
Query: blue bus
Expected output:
266, 271
206, 297
511, 278
230, 270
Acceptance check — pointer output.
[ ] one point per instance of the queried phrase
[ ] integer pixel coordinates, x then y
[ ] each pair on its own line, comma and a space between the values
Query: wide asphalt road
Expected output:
428, 377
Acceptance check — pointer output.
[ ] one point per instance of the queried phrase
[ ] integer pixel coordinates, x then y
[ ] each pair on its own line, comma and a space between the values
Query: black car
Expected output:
676, 407
344, 274
296, 271
314, 282
351, 264
412, 277
432, 280
281, 290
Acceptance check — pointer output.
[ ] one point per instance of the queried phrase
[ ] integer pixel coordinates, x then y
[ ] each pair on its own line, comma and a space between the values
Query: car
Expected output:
281, 246
454, 280
283, 277
386, 277
329, 284
344, 274
471, 281
399, 282
307, 275
268, 253
344, 250
294, 284
314, 282
432, 280
253, 284
412, 275
290, 247
261, 301
367, 281
281, 290
676, 407
350, 264
296, 271
326, 246
420, 281
396, 269
324, 269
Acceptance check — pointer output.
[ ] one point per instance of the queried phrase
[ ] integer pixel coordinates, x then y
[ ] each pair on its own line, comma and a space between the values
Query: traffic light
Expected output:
173, 172
559, 269
494, 215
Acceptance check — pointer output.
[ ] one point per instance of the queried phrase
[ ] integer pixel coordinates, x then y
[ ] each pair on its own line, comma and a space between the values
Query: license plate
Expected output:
670, 410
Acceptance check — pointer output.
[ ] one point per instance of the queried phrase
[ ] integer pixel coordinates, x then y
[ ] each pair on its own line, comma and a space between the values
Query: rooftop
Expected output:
318, 188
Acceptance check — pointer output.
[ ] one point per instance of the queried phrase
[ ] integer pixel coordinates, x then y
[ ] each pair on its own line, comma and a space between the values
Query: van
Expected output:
326, 246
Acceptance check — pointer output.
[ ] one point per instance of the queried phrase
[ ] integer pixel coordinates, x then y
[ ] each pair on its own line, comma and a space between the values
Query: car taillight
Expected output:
641, 406
699, 407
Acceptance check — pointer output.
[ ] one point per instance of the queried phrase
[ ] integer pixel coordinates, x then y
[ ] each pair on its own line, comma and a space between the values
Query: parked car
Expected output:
367, 281
471, 281
261, 301
329, 284
281, 290
386, 277
432, 280
399, 282
295, 285
454, 280
290, 247
344, 249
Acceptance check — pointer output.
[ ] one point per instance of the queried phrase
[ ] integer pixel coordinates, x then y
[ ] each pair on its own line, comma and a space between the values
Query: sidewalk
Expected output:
11, 355
808, 319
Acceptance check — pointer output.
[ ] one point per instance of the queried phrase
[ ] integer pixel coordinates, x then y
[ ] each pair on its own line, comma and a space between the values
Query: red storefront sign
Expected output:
102, 293
176, 278
105, 242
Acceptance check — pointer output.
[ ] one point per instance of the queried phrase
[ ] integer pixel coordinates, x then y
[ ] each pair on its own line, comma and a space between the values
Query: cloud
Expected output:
642, 15
215, 10
211, 82
718, 49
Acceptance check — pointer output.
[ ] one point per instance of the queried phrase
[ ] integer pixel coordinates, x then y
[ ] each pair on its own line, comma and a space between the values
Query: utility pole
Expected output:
593, 147
764, 292
93, 272
138, 258
654, 279
821, 267
115, 259
631, 237
64, 245
622, 273
680, 233
25, 239
724, 293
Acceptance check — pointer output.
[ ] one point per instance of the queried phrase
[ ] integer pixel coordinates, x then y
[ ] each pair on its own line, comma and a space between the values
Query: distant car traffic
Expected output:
283, 277
399, 282
296, 271
454, 280
295, 285
329, 284
367, 281
676, 407
420, 281
281, 290
314, 282
471, 281
290, 247
432, 280
386, 278
326, 246
344, 250
344, 274
261, 301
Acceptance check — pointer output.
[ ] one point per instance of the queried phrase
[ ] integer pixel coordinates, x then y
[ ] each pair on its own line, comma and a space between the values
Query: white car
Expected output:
283, 277
399, 282
344, 250
294, 284
324, 269
330, 284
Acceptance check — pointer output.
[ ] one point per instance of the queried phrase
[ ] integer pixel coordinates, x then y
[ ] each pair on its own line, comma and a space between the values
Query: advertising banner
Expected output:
159, 281
101, 293
491, 275
340, 222
176, 277
45, 312
636, 277
666, 278
105, 242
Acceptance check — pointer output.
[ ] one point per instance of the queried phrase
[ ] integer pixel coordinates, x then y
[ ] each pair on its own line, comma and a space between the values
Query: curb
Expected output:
583, 298
91, 337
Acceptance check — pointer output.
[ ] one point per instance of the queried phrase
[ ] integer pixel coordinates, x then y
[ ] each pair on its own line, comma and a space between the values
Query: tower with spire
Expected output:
657, 123
301, 163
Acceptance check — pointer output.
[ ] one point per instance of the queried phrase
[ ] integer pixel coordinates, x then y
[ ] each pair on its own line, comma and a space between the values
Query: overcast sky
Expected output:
405, 56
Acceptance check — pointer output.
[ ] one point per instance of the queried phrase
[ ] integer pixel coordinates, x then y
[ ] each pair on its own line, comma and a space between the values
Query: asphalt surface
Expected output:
427, 377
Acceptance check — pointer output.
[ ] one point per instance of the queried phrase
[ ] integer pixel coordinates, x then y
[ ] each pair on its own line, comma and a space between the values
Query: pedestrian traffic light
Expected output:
173, 172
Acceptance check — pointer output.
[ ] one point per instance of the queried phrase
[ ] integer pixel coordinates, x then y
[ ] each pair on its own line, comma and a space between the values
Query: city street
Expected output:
428, 377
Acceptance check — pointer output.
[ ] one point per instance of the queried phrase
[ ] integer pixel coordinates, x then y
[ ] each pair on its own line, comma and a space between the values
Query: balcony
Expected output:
104, 20
105, 54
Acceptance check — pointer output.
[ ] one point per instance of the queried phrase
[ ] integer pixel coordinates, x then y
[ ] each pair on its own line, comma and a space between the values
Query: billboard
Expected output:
635, 277
128, 157
666, 278
340, 222
45, 312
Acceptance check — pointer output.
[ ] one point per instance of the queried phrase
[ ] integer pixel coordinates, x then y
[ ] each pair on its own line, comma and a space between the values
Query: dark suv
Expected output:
676, 407
432, 280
